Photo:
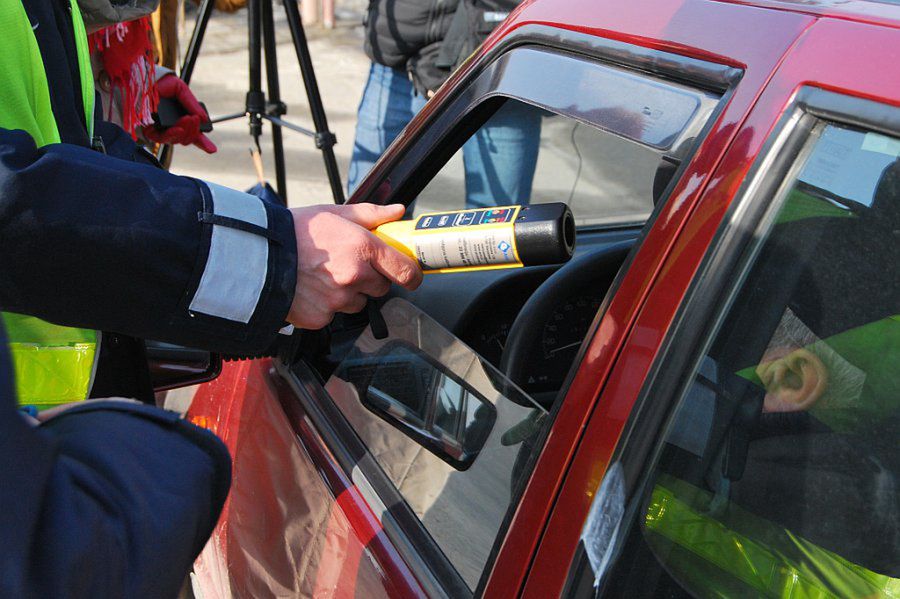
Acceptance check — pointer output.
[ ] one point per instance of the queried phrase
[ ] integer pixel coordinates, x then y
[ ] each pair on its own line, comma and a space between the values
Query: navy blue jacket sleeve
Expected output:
117, 500
98, 242
106, 500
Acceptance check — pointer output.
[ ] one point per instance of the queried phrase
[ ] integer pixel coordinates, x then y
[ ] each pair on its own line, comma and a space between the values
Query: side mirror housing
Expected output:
173, 366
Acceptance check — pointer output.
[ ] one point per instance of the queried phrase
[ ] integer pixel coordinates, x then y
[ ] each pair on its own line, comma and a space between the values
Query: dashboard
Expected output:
480, 308
560, 337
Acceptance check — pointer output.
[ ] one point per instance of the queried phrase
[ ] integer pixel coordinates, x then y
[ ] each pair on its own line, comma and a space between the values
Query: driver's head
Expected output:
800, 371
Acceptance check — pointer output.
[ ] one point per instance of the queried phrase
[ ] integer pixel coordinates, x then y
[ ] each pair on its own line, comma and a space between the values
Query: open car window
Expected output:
610, 169
449, 431
605, 138
779, 473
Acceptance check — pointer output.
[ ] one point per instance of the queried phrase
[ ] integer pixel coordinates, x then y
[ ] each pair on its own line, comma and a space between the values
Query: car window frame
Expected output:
443, 131
439, 130
718, 281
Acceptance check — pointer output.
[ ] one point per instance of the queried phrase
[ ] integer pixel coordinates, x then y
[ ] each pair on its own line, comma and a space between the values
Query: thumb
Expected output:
369, 215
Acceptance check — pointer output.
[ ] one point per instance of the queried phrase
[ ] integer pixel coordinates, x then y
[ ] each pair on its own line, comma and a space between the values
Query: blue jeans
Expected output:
388, 104
499, 159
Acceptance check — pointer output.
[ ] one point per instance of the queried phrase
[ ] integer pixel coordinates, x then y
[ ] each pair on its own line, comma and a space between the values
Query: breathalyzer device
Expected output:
485, 238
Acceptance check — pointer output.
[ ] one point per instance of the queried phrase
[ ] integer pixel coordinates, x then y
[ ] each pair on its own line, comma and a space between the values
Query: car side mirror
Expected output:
420, 397
173, 366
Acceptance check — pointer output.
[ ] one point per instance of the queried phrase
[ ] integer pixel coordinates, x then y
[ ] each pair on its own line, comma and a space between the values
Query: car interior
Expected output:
778, 471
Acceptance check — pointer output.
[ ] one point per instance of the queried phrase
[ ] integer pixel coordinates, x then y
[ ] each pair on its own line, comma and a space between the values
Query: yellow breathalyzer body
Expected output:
485, 238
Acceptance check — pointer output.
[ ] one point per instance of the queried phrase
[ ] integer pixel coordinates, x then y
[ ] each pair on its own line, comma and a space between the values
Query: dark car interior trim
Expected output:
699, 73
720, 277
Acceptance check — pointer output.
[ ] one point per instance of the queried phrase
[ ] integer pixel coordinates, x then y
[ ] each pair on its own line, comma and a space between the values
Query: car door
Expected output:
745, 442
358, 462
445, 516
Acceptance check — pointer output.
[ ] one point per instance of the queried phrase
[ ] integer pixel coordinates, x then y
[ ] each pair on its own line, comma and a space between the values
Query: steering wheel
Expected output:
584, 272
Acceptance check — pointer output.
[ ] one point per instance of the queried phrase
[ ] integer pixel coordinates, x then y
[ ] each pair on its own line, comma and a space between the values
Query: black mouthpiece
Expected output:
545, 234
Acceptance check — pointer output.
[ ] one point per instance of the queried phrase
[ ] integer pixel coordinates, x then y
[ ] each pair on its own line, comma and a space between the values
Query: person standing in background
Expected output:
414, 46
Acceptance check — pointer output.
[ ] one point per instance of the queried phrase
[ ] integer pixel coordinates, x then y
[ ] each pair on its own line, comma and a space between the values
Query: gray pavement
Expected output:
220, 81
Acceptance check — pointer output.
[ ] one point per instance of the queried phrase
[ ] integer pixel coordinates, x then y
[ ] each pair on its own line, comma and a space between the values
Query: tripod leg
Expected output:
274, 90
325, 139
190, 59
193, 49
256, 99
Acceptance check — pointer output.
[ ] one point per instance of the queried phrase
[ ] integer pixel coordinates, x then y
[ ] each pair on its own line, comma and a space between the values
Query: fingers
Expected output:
314, 309
206, 144
185, 131
369, 216
171, 86
340, 263
396, 267
189, 101
393, 265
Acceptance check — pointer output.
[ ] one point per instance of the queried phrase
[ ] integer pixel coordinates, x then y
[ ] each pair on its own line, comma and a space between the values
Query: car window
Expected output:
609, 170
450, 447
779, 472
449, 431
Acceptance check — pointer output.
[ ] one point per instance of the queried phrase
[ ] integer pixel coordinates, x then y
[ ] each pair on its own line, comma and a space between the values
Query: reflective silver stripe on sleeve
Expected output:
236, 268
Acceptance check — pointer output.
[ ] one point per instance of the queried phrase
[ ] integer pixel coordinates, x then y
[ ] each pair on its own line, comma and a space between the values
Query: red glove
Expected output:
186, 130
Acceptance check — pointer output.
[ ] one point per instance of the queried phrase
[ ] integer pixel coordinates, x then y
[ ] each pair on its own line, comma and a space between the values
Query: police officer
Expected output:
112, 498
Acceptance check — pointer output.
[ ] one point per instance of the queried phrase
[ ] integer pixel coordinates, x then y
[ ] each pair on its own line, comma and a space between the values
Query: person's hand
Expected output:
186, 130
340, 263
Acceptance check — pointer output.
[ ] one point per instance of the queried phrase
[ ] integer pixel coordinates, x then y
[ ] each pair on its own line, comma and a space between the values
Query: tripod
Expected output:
258, 108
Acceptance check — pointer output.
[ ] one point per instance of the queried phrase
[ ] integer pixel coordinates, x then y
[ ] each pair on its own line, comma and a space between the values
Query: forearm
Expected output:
124, 245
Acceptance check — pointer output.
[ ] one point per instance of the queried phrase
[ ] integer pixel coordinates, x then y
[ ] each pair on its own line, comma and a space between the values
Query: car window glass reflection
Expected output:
780, 473
449, 431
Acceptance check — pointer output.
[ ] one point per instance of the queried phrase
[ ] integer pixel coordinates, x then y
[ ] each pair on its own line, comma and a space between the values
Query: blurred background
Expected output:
220, 81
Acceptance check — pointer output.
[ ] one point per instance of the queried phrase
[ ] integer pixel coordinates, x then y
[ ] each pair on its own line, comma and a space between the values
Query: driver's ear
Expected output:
794, 383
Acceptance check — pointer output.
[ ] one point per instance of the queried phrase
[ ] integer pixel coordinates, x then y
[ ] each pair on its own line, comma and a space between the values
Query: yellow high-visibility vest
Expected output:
52, 364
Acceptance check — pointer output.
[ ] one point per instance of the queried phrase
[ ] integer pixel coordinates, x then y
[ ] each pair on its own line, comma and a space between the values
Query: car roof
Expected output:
882, 12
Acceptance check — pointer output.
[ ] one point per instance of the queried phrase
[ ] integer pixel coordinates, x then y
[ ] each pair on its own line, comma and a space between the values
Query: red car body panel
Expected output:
863, 11
293, 524
779, 47
822, 50
758, 51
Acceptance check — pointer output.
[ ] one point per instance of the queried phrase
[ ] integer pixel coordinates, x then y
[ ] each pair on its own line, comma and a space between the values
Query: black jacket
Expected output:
116, 500
429, 38
397, 30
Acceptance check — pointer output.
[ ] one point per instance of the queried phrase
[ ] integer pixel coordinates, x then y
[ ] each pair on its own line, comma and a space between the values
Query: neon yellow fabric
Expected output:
52, 364
737, 554
24, 93
84, 66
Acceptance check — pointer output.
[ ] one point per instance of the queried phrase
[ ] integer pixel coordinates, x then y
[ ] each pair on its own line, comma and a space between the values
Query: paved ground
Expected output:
220, 80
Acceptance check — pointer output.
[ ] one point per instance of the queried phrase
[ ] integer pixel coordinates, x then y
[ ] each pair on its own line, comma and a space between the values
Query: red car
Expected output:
703, 402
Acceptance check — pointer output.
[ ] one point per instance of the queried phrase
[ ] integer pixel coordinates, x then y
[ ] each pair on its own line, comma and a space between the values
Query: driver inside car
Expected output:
794, 487
800, 372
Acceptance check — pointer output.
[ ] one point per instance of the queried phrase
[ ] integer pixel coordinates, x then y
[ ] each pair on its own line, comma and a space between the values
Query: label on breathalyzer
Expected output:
468, 218
460, 239
453, 249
